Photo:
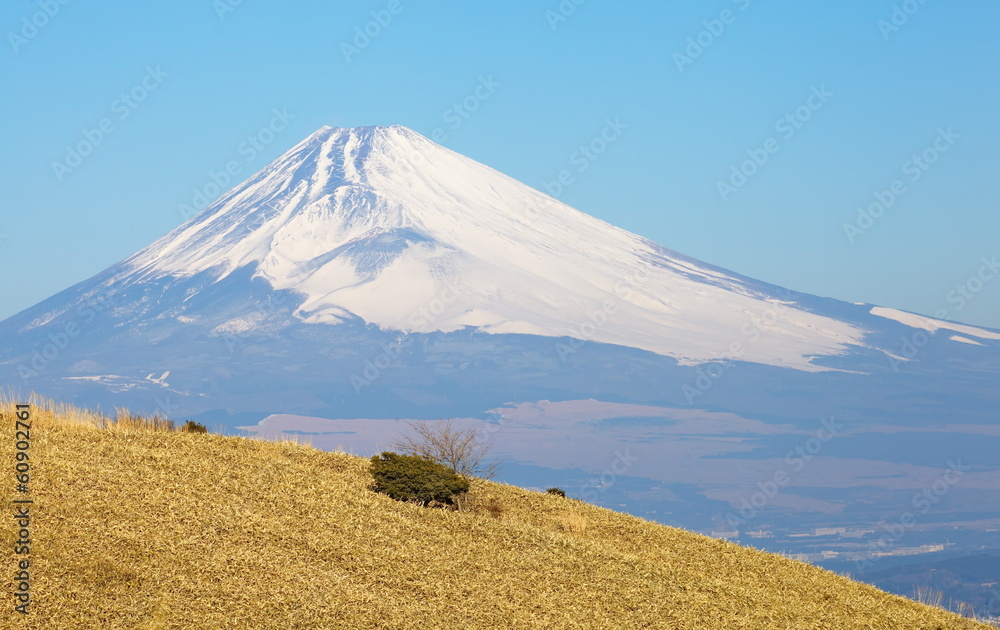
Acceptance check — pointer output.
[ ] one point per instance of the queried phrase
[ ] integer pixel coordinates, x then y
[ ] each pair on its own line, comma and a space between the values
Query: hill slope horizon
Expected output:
141, 527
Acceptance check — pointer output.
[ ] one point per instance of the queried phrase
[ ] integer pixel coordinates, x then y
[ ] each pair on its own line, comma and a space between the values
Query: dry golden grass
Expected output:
572, 521
139, 527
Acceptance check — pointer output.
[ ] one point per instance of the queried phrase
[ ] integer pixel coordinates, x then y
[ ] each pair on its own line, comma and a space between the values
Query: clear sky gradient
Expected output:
701, 88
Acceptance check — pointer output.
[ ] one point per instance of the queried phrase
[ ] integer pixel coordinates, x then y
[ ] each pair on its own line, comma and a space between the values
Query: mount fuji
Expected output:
370, 275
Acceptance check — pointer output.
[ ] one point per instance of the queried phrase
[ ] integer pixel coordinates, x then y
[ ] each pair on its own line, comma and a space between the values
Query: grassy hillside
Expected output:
135, 527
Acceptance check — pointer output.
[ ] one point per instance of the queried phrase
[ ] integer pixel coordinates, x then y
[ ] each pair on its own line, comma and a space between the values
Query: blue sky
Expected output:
753, 131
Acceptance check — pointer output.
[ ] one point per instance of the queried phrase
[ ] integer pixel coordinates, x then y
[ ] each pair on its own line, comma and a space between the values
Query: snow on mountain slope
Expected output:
933, 325
383, 224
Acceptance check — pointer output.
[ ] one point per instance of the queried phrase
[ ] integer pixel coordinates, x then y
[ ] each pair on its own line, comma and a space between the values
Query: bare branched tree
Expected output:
465, 451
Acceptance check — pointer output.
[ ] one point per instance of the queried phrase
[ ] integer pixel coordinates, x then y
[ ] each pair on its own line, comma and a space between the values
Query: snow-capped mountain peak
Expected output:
382, 224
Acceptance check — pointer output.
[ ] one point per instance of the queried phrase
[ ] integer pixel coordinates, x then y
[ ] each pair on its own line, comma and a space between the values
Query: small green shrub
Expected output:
416, 479
557, 491
193, 427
